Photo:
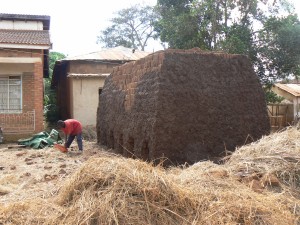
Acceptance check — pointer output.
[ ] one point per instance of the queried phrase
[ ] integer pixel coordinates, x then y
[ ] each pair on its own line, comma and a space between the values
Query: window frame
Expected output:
13, 111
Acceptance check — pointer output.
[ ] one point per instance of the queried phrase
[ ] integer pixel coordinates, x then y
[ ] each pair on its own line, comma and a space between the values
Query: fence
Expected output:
18, 123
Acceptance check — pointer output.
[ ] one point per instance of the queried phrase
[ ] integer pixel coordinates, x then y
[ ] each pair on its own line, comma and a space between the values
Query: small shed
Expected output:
290, 107
183, 105
79, 80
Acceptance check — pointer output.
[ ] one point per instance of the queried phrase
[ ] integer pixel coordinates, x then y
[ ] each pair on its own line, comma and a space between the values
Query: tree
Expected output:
279, 48
132, 28
177, 25
50, 108
235, 26
209, 20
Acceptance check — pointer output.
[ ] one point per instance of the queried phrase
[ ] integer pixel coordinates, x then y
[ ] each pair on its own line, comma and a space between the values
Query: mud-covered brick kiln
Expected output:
185, 105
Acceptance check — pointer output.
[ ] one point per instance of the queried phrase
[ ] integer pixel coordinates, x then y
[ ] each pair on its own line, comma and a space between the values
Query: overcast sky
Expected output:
75, 25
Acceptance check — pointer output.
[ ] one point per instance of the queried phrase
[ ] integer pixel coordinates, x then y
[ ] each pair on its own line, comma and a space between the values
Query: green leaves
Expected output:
272, 97
50, 108
279, 46
264, 30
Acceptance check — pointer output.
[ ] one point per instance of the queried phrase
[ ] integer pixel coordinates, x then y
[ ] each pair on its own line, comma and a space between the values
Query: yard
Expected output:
257, 184
30, 173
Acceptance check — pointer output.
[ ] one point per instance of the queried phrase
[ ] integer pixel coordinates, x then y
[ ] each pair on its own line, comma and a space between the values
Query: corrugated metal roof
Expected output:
293, 89
32, 37
118, 53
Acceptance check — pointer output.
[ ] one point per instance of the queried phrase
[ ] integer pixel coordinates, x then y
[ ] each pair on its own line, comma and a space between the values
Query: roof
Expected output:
119, 53
89, 75
43, 18
32, 37
293, 89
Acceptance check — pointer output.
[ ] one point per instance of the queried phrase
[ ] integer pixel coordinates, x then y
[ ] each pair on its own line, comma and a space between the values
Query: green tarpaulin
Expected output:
42, 140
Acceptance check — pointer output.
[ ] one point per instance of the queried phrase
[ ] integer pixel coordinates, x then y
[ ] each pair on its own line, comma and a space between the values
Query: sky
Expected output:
75, 25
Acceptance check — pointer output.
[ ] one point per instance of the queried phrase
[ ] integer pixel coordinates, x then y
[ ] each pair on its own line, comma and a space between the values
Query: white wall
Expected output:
85, 99
21, 25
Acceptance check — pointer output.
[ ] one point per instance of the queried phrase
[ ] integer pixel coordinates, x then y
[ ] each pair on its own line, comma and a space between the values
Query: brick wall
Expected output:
38, 96
32, 94
28, 91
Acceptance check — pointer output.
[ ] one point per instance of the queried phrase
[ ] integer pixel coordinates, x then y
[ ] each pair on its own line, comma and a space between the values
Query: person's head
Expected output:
61, 124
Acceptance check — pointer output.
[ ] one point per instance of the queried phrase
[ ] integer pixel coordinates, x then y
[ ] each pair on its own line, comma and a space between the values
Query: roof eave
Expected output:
85, 75
287, 89
25, 46
43, 18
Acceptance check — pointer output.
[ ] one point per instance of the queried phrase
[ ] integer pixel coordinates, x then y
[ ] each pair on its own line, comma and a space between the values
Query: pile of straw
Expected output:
89, 133
258, 184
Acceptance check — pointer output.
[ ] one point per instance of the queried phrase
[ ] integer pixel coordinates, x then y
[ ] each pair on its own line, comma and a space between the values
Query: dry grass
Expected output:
258, 184
89, 133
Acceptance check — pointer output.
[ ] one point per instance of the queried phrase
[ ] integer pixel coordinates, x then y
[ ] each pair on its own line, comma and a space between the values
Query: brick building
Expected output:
24, 50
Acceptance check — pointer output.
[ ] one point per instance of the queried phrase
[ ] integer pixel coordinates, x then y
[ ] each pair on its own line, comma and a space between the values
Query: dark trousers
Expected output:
71, 139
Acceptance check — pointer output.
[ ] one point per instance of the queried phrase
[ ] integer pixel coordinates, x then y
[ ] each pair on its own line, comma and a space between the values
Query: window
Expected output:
10, 94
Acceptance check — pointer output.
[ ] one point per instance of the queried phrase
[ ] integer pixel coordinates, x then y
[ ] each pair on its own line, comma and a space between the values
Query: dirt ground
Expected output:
256, 184
27, 173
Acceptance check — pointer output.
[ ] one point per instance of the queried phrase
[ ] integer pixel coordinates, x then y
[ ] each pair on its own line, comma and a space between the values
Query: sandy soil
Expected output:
27, 173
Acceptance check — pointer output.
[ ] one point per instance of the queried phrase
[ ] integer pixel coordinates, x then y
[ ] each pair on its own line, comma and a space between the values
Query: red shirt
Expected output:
73, 127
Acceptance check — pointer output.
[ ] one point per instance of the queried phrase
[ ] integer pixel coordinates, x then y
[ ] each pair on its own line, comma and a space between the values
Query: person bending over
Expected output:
72, 128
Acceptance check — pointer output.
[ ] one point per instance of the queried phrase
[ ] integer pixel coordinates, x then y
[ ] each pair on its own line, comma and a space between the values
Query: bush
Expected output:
272, 97
51, 113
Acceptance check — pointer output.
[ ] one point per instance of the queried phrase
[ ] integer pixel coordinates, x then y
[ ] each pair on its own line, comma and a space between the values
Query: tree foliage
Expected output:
50, 107
264, 30
279, 47
272, 97
132, 27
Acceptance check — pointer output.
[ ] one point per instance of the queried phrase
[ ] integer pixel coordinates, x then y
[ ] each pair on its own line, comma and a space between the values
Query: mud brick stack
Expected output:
183, 105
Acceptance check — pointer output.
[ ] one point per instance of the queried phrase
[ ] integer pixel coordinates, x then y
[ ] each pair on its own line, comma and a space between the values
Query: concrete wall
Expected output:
92, 67
21, 25
85, 99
